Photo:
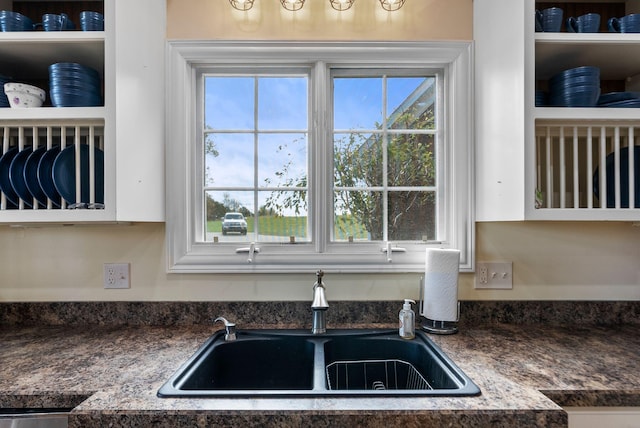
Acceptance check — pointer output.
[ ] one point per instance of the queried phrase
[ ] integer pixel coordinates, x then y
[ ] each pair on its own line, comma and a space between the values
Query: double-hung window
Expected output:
284, 157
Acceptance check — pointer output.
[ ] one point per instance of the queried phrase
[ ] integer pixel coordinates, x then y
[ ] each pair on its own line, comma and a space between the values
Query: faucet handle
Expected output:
230, 328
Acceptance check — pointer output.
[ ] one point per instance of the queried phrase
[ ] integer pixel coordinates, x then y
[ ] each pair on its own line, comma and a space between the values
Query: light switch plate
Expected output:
494, 275
117, 275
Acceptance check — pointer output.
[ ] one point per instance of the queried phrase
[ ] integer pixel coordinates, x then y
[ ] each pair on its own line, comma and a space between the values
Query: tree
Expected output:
215, 209
358, 162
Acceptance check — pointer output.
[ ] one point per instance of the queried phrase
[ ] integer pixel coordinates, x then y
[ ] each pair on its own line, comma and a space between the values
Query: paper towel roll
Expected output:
440, 291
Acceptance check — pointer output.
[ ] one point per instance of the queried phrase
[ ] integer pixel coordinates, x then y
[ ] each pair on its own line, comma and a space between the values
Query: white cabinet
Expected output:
548, 163
129, 127
597, 417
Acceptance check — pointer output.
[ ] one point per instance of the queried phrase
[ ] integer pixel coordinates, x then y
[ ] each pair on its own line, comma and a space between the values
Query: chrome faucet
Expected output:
319, 306
230, 328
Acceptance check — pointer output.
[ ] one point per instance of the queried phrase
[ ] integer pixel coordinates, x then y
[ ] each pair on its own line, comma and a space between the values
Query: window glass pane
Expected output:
412, 216
283, 216
229, 215
229, 103
357, 103
410, 102
358, 214
282, 103
400, 154
357, 160
411, 160
282, 160
229, 160
250, 170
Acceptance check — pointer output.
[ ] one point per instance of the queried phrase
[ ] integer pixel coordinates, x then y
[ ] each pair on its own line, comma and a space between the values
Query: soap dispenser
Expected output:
407, 320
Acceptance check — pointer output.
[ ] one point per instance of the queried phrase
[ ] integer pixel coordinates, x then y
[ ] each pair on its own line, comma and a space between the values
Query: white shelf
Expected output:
589, 114
131, 63
27, 55
510, 62
616, 54
618, 57
52, 113
57, 216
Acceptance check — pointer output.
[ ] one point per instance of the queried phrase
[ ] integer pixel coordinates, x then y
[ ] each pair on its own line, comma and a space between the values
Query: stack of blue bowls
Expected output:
14, 21
91, 21
549, 19
576, 87
4, 101
74, 85
541, 98
55, 22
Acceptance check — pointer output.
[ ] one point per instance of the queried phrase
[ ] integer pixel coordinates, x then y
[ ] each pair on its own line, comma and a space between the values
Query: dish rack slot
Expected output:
587, 166
52, 166
374, 375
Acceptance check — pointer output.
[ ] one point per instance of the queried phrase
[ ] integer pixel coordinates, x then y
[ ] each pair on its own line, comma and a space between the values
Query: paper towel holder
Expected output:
435, 326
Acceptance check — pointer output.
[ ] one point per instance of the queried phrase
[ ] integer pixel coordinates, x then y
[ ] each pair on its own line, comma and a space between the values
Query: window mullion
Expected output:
321, 166
256, 154
385, 159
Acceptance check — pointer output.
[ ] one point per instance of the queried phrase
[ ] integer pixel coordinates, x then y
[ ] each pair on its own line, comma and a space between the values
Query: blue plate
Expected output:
622, 104
16, 176
31, 175
624, 179
612, 97
5, 181
64, 174
45, 175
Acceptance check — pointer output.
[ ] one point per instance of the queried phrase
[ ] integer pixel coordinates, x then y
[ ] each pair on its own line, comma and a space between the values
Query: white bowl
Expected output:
21, 95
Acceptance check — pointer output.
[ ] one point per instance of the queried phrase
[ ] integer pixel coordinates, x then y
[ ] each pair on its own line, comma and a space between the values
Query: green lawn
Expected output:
294, 226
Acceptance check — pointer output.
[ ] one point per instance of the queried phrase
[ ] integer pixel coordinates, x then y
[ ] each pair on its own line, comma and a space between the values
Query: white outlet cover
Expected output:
117, 275
494, 275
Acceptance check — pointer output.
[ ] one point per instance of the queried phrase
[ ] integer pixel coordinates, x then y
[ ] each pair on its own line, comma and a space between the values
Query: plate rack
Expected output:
587, 167
81, 141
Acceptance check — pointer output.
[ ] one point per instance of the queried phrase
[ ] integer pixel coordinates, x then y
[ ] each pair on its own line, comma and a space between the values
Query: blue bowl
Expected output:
590, 71
14, 21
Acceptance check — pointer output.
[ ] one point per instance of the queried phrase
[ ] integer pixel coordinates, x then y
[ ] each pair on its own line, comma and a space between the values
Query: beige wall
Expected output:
366, 20
584, 261
551, 260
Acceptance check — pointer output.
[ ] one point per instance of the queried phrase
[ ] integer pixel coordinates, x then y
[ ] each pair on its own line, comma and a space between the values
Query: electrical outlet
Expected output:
116, 275
498, 275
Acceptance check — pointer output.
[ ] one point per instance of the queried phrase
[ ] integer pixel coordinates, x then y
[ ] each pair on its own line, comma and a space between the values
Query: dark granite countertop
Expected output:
109, 374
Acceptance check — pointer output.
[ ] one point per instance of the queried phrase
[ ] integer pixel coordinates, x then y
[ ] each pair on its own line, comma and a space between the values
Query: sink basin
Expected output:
338, 363
270, 363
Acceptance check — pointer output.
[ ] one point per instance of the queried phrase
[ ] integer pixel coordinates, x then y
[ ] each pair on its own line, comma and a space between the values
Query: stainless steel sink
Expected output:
338, 363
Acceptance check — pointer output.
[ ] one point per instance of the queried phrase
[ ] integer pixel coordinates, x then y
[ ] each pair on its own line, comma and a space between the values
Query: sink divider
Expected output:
319, 372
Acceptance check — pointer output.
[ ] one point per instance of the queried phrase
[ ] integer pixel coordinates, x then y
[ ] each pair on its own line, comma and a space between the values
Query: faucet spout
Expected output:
319, 305
230, 328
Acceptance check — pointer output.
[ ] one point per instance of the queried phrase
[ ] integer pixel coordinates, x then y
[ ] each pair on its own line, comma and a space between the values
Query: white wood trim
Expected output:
186, 255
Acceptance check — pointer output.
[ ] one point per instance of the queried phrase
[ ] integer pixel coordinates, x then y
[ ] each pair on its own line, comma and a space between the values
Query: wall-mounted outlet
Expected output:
497, 275
117, 275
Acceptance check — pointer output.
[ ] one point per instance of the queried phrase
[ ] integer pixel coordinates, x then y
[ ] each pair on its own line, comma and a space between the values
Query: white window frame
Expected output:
186, 255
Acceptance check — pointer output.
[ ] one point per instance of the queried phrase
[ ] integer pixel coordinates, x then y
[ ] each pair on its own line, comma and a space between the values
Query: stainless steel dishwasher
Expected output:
34, 418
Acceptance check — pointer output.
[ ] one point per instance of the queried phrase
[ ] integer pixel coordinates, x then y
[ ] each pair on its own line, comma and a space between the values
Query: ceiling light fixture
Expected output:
391, 5
242, 4
341, 4
292, 5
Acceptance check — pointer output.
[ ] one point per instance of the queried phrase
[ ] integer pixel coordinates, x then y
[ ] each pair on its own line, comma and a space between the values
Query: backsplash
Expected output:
342, 314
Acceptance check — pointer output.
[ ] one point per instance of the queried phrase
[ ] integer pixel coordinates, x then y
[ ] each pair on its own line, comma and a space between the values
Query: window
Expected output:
297, 156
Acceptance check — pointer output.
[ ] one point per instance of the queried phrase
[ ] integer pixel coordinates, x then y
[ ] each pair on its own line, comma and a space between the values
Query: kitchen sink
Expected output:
339, 363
